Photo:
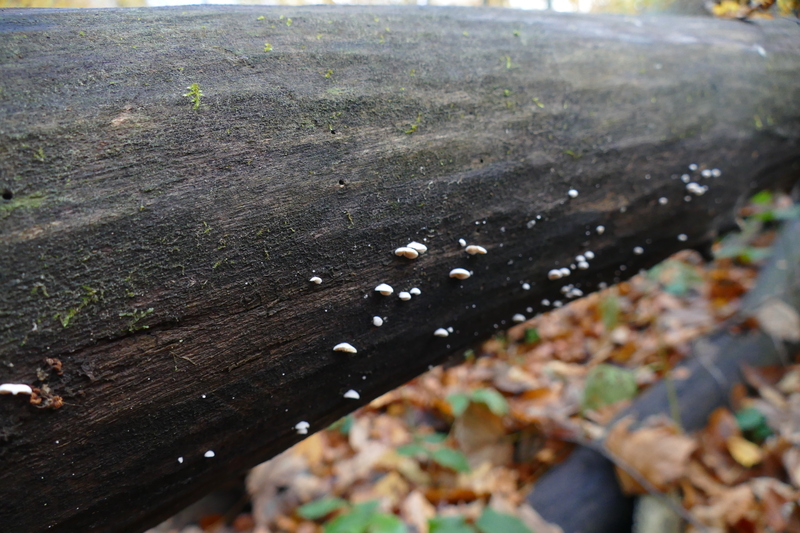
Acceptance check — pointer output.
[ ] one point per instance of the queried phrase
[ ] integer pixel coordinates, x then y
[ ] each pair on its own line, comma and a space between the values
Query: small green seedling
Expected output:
194, 93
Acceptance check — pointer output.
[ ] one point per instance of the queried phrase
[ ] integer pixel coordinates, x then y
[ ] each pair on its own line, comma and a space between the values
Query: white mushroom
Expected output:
638, 250
302, 427
441, 332
519, 317
316, 279
460, 273
418, 246
583, 265
209, 454
345, 347
554, 274
405, 251
600, 230
352, 395
565, 272
415, 291
462, 242
572, 193
405, 296
12, 388
377, 321
473, 249
384, 289
589, 255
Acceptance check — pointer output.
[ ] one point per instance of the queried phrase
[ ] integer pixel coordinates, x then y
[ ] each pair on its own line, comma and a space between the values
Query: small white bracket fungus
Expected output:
384, 289
415, 291
13, 388
302, 427
377, 321
589, 255
316, 279
462, 242
526, 286
565, 272
572, 193
418, 246
683, 237
441, 332
638, 250
519, 317
405, 296
600, 230
473, 249
663, 200
180, 460
352, 395
583, 265
345, 347
405, 251
209, 454
554, 274
460, 273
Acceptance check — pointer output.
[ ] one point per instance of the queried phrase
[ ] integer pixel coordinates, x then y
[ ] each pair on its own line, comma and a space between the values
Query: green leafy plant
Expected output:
607, 384
492, 399
359, 518
676, 277
194, 93
432, 447
753, 424
490, 521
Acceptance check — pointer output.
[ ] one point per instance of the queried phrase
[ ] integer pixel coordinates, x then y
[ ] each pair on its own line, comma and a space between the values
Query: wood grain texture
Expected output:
162, 253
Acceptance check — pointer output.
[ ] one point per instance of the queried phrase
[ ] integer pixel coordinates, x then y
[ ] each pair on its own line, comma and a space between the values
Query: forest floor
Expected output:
457, 449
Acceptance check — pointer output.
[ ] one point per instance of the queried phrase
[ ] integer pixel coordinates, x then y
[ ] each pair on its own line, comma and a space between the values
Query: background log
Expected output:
162, 253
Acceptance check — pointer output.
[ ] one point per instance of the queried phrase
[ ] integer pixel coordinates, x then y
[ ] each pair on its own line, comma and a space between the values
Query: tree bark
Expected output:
162, 252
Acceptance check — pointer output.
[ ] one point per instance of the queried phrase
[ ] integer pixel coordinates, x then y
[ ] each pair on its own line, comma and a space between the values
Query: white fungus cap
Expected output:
473, 249
384, 289
564, 272
638, 250
316, 279
663, 200
345, 347
683, 237
526, 286
415, 291
180, 460
13, 388
460, 273
418, 246
555, 274
572, 193
441, 332
583, 265
589, 255
302, 427
462, 242
519, 317
352, 395
600, 230
377, 321
209, 454
405, 296
405, 251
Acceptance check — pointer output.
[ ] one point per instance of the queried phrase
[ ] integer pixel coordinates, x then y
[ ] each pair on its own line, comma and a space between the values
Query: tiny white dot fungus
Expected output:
13, 388
209, 454
530, 224
589, 255
462, 242
316, 279
686, 178
415, 291
405, 296
526, 286
460, 273
693, 167
473, 249
683, 237
600, 230
565, 272
583, 265
546, 302
450, 329
638, 250
706, 173
441, 332
419, 247
580, 258
519, 317
180, 460
302, 427
696, 188
572, 193
352, 395
345, 347
715, 172
405, 251
554, 274
557, 303
377, 321
663, 200
384, 289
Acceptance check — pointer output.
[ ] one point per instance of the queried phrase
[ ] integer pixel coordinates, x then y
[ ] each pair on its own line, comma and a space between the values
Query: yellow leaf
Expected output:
744, 452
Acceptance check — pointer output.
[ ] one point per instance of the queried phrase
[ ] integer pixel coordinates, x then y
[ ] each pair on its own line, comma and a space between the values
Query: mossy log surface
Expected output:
162, 252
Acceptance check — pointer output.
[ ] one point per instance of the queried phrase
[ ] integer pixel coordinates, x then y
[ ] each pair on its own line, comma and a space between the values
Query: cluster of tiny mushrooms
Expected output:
414, 249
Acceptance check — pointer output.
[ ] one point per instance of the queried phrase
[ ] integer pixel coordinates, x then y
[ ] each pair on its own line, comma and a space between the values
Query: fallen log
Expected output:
713, 368
172, 179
